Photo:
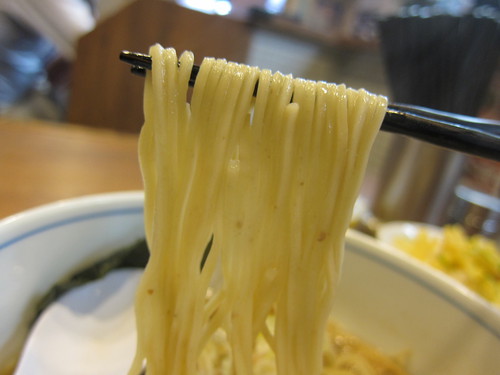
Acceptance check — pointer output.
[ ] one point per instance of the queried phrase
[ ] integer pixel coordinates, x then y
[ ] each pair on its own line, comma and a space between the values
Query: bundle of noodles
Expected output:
273, 180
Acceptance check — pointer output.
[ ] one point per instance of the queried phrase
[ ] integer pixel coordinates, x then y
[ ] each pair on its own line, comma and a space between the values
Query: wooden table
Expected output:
42, 162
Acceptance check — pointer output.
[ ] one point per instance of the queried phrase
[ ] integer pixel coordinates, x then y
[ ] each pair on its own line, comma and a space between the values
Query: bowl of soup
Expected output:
384, 298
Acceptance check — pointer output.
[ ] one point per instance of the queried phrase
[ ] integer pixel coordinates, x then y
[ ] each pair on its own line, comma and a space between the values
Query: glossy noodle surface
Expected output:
273, 180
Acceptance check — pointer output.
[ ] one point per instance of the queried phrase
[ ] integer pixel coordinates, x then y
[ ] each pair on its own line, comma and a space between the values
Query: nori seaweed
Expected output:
134, 256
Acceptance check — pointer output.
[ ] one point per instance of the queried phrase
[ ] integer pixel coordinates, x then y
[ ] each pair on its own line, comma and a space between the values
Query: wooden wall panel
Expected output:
105, 94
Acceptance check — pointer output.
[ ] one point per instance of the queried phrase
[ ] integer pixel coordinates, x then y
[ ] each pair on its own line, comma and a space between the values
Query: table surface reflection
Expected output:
42, 162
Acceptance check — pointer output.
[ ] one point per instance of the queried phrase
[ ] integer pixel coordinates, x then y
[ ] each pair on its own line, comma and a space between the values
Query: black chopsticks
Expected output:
461, 133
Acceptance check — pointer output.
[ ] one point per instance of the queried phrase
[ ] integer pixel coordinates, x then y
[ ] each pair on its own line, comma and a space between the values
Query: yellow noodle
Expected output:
273, 179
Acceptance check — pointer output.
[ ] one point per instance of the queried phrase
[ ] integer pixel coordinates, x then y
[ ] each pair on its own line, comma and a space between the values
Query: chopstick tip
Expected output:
137, 60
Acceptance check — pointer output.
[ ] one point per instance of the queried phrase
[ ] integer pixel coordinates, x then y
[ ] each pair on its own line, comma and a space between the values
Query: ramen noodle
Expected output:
270, 182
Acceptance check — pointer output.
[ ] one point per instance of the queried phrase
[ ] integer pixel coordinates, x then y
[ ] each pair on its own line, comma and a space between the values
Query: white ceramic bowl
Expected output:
394, 231
391, 231
41, 246
383, 296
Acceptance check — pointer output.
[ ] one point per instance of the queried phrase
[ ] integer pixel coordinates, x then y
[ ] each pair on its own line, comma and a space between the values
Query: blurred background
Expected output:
59, 62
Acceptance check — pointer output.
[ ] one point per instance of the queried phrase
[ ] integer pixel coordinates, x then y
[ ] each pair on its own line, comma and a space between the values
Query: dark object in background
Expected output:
442, 62
24, 57
439, 61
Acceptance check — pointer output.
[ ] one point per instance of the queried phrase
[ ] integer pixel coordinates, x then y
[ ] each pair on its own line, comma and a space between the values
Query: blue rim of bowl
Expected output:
423, 278
132, 210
